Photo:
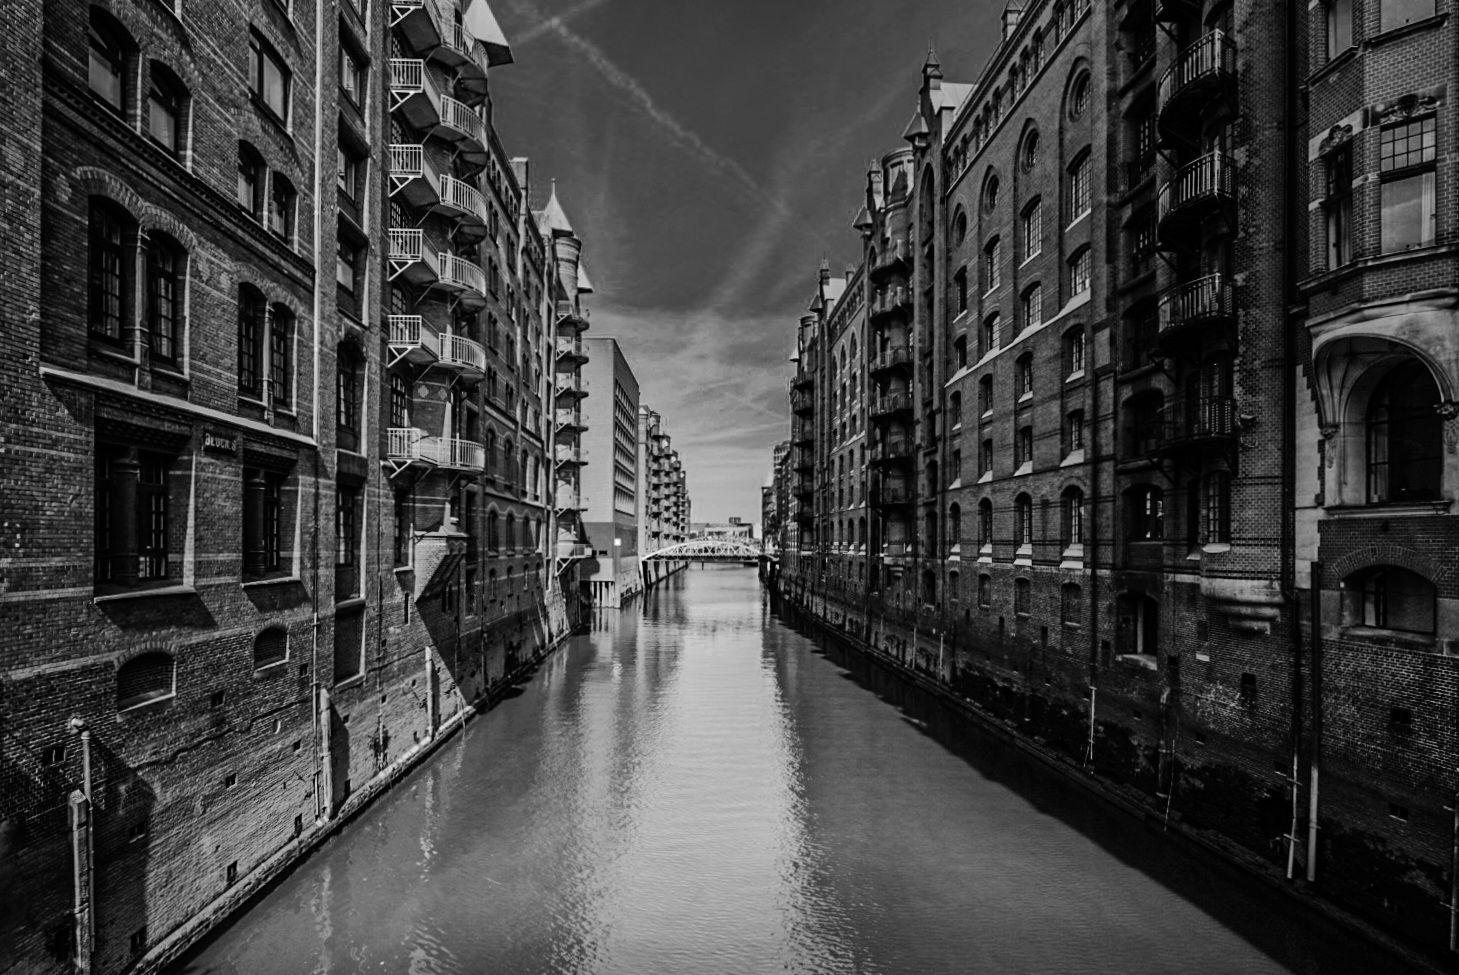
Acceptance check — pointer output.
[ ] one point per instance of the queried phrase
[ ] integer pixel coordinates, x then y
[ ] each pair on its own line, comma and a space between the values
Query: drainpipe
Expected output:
1316, 665
78, 725
1092, 547
1289, 429
316, 701
78, 808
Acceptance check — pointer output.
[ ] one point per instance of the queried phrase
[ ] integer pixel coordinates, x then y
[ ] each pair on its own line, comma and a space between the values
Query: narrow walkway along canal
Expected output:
699, 788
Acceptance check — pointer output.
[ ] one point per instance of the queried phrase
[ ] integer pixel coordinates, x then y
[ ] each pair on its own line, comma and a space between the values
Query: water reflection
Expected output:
699, 788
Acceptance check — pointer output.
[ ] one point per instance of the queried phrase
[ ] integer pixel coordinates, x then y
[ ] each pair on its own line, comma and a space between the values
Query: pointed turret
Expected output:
553, 219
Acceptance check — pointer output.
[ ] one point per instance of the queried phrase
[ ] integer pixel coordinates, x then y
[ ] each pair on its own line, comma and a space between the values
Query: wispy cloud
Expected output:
678, 133
552, 23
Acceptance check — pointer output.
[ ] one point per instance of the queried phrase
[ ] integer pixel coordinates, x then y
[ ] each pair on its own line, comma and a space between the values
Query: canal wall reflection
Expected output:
696, 788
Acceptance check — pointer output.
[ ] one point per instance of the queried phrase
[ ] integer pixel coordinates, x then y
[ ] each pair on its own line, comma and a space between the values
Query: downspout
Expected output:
1316, 747
320, 19
1092, 547
1289, 434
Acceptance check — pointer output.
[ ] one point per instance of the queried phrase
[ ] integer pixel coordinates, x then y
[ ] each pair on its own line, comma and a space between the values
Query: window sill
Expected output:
1417, 27
985, 478
1216, 548
1072, 458
1378, 634
172, 589
1406, 509
1074, 376
1025, 468
1332, 277
349, 603
151, 702
271, 581
1333, 64
1145, 660
348, 682
268, 667
113, 349
1026, 397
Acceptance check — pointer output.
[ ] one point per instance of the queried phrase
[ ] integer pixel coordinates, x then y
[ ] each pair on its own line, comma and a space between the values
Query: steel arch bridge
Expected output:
708, 550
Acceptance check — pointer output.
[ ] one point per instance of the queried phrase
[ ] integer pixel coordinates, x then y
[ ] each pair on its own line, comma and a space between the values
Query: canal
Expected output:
697, 787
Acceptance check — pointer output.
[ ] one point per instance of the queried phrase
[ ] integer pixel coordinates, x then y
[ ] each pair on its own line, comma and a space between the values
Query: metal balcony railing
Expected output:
569, 455
462, 198
409, 445
464, 455
461, 118
570, 347
889, 450
461, 274
802, 402
890, 403
1207, 299
459, 352
409, 334
1210, 179
1209, 61
409, 255
895, 252
892, 358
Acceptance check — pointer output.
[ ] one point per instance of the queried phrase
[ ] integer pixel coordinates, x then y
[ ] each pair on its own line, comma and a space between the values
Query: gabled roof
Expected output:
481, 24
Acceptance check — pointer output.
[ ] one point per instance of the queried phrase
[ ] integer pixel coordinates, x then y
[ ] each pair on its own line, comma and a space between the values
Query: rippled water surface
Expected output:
698, 789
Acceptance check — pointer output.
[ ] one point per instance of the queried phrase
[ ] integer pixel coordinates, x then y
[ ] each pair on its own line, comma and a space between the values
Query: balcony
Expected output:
572, 550
571, 319
418, 21
1202, 425
890, 301
463, 278
1199, 189
407, 446
565, 456
895, 256
1174, 11
460, 201
410, 258
462, 455
463, 356
412, 340
890, 405
1203, 72
461, 125
805, 462
570, 351
803, 380
895, 494
413, 93
1192, 309
458, 51
899, 357
412, 176
892, 451
567, 385
567, 499
802, 402
805, 489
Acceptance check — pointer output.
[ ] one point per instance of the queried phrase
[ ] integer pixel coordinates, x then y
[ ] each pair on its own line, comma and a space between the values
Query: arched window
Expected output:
955, 409
1147, 514
1079, 96
1405, 437
992, 264
167, 110
1074, 352
144, 679
1023, 520
164, 297
1024, 375
1147, 412
929, 587
1022, 596
491, 453
959, 226
511, 531
270, 647
988, 337
985, 522
992, 191
1391, 598
985, 395
493, 531
106, 307
985, 591
1031, 307
1030, 153
1031, 229
954, 525
861, 532
107, 64
1072, 522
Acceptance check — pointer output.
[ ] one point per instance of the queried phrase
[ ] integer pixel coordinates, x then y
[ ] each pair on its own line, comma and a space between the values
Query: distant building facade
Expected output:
1159, 442
610, 571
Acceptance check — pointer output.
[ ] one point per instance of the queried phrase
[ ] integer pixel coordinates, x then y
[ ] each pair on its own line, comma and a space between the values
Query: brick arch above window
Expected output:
1387, 553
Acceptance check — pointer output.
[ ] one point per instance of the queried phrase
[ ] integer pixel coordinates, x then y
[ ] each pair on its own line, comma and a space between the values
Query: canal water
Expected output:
697, 788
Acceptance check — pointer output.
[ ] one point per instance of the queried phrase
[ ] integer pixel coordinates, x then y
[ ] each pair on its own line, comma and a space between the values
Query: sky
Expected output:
710, 153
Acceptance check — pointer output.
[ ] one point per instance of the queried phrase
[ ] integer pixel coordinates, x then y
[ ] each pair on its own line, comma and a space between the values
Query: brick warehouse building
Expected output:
1160, 392
304, 526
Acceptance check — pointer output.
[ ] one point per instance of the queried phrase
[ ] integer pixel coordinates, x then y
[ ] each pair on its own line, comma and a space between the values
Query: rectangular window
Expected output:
1023, 446
1218, 507
280, 346
1033, 230
1033, 307
132, 516
162, 301
164, 109
107, 269
1079, 189
1076, 430
250, 343
992, 260
268, 77
1079, 272
346, 531
263, 522
1339, 27
1409, 215
351, 78
281, 209
1022, 596
985, 458
401, 549
348, 171
344, 266
1398, 13
349, 642
960, 281
399, 401
1339, 207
